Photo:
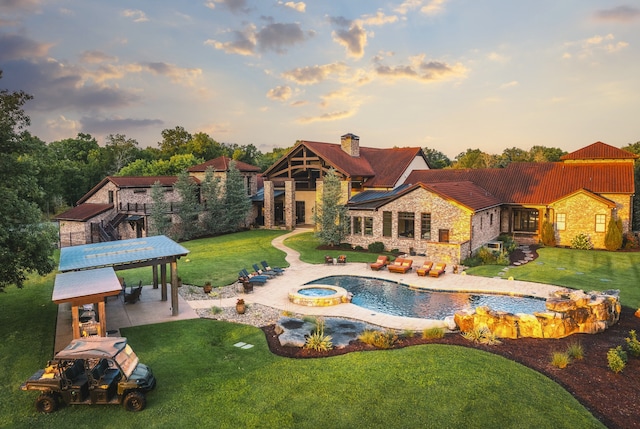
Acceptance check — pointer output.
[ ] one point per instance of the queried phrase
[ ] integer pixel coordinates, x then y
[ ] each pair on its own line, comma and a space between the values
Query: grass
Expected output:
205, 381
306, 244
579, 269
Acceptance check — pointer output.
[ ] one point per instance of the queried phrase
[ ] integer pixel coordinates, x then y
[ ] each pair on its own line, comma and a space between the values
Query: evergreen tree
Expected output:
548, 236
613, 237
331, 217
236, 200
214, 210
160, 223
188, 208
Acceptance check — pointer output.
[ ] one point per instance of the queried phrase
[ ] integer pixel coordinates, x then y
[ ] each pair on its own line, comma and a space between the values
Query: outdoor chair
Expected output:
400, 265
342, 259
261, 272
425, 269
380, 263
438, 269
257, 279
328, 260
134, 296
266, 266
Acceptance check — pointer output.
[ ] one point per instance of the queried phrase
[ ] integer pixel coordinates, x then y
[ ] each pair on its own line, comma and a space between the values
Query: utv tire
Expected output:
134, 401
46, 403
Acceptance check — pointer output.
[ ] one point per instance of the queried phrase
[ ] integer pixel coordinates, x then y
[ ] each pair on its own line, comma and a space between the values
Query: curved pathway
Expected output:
275, 293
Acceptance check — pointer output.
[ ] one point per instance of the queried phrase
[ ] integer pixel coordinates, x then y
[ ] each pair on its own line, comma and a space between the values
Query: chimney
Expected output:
351, 144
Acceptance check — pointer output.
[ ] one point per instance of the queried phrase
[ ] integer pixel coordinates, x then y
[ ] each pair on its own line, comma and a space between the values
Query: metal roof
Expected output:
74, 285
92, 347
118, 253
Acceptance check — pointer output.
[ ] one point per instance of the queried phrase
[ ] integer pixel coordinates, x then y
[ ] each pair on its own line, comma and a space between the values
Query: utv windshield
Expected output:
127, 360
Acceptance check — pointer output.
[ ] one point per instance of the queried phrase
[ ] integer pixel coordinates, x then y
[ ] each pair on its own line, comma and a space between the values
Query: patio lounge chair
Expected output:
438, 269
380, 263
424, 269
400, 265
256, 279
328, 260
266, 266
342, 259
261, 272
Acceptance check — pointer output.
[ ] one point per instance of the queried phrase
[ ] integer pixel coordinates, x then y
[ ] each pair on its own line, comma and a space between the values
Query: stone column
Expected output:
290, 204
269, 206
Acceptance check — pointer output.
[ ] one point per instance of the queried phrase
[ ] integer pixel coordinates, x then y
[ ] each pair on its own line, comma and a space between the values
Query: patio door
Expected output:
300, 217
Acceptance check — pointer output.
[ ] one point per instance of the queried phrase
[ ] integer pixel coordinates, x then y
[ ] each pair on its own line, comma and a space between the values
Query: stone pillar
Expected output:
290, 204
269, 206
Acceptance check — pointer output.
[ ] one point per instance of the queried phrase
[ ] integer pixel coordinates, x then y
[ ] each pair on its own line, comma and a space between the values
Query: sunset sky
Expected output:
445, 74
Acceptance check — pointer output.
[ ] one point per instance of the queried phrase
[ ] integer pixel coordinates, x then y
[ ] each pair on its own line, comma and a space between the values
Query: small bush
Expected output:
216, 310
376, 247
633, 345
548, 235
482, 335
408, 333
582, 241
630, 241
432, 333
617, 359
508, 243
318, 341
379, 339
613, 236
487, 256
310, 319
287, 313
471, 262
358, 248
560, 359
575, 351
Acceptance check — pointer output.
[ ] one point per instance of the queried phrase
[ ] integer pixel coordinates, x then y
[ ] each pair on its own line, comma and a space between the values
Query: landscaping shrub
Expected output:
408, 333
432, 333
633, 345
630, 241
560, 359
617, 359
216, 310
482, 335
379, 339
575, 351
508, 243
548, 235
582, 241
318, 341
613, 237
376, 247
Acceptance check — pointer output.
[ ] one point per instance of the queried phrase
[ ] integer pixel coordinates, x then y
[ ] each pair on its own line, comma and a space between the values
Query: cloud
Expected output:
499, 58
591, 46
272, 37
618, 14
96, 57
181, 75
331, 116
407, 6
105, 126
298, 7
136, 15
509, 84
431, 7
420, 70
379, 19
280, 93
19, 6
16, 47
234, 6
314, 74
354, 39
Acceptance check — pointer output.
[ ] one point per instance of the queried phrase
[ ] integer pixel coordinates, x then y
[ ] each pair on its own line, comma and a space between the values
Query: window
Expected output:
357, 225
490, 219
406, 224
425, 226
110, 197
600, 222
368, 226
443, 235
386, 224
561, 221
525, 220
139, 191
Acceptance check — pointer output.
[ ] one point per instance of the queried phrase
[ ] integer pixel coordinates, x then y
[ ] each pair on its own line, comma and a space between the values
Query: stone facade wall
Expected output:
580, 211
444, 215
569, 312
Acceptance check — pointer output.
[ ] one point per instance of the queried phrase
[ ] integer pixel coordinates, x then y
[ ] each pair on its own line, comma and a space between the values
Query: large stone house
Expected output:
449, 214
293, 184
119, 206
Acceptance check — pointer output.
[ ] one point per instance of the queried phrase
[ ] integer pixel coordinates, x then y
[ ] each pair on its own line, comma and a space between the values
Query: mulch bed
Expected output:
612, 398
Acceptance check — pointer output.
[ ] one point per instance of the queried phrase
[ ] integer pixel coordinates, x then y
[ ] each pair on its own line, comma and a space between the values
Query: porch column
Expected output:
102, 317
154, 269
174, 288
269, 205
289, 204
163, 282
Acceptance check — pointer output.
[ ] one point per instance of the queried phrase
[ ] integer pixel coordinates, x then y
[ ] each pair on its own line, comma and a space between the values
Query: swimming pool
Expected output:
395, 298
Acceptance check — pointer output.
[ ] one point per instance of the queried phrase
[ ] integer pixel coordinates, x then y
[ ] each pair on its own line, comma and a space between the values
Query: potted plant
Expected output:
240, 306
207, 288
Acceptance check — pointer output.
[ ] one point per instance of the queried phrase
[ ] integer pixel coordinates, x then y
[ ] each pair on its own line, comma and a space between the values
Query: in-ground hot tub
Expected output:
319, 295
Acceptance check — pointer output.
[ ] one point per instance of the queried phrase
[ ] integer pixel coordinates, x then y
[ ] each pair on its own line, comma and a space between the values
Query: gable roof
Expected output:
222, 164
381, 167
132, 182
538, 182
84, 212
599, 151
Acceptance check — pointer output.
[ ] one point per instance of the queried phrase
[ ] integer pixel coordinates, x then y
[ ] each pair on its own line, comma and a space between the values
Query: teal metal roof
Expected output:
78, 284
118, 253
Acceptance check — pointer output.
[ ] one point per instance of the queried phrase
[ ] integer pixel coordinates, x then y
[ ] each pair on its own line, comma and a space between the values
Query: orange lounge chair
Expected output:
438, 269
382, 262
400, 265
424, 270
342, 259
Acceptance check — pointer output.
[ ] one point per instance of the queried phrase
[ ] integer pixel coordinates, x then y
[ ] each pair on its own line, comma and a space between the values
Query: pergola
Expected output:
88, 271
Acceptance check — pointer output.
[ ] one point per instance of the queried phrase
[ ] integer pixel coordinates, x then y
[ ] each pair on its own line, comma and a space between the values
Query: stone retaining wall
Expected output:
569, 312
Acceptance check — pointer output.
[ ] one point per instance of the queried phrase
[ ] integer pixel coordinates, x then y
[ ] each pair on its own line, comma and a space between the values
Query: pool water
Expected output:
317, 291
394, 298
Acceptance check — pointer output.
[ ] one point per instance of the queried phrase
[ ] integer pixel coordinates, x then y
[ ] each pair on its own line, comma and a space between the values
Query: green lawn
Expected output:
204, 381
306, 243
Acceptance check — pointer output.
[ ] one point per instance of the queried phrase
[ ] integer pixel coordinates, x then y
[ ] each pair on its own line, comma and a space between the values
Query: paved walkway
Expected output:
275, 293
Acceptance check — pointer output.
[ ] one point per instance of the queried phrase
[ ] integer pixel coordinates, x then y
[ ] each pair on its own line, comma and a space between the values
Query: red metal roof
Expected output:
84, 212
466, 193
599, 150
222, 164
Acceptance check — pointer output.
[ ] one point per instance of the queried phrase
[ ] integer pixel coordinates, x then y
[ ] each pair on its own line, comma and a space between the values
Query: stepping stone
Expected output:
561, 268
605, 280
242, 345
516, 263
